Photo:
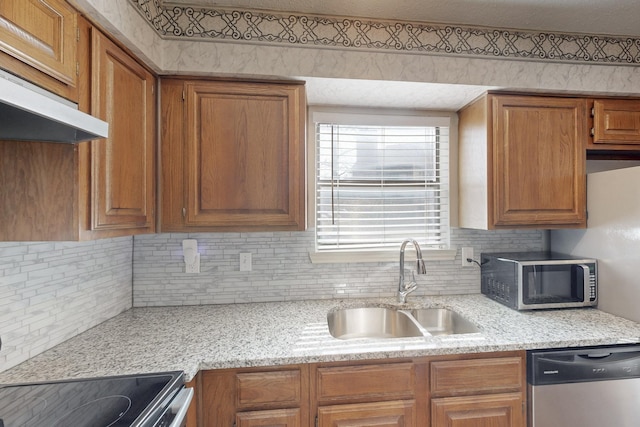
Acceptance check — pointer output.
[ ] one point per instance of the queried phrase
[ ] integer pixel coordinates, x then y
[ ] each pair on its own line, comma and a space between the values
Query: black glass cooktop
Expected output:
123, 401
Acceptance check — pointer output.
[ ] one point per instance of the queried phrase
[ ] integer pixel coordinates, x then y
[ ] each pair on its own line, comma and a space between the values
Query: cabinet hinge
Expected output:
77, 34
184, 212
153, 89
593, 112
593, 131
184, 95
77, 68
316, 421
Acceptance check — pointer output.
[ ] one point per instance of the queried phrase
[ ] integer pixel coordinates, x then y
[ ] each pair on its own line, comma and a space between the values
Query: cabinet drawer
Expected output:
257, 389
379, 382
463, 377
275, 417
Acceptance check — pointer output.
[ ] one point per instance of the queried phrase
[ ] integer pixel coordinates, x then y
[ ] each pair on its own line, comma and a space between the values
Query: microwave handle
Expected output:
587, 285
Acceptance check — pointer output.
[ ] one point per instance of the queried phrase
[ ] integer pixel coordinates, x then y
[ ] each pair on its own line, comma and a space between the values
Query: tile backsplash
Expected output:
282, 270
52, 291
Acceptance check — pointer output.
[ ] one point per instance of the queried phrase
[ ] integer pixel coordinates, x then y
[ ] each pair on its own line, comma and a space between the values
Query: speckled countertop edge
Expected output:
156, 339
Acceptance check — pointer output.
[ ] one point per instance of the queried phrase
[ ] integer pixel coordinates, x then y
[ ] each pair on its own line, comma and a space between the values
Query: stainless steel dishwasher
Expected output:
584, 387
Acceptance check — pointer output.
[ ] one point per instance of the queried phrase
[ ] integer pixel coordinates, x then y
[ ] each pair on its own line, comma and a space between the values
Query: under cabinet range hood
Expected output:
28, 113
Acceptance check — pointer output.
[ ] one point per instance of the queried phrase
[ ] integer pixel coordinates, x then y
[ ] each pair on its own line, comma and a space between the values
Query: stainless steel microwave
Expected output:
539, 280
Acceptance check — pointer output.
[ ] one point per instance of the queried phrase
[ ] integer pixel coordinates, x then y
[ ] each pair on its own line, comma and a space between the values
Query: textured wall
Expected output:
50, 292
282, 270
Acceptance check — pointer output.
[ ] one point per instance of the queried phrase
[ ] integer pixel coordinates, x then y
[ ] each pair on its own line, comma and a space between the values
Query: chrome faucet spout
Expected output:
406, 289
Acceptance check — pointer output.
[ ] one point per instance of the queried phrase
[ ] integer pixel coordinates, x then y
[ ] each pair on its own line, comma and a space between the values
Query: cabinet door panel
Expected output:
244, 155
539, 161
41, 33
379, 414
498, 410
616, 121
123, 164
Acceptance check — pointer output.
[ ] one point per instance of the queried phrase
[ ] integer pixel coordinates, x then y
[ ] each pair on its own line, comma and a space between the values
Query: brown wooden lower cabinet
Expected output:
469, 390
398, 413
492, 410
272, 418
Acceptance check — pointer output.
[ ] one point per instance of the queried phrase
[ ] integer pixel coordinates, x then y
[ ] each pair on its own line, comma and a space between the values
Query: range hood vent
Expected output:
28, 113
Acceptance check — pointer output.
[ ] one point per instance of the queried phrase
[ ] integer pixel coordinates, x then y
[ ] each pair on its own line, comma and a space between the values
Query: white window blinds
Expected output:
379, 184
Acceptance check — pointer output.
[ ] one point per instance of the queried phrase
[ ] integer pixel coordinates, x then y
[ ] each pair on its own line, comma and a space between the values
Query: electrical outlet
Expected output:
245, 261
191, 256
467, 253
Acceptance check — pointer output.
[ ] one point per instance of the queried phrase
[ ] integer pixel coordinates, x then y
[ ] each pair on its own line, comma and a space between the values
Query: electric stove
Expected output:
146, 400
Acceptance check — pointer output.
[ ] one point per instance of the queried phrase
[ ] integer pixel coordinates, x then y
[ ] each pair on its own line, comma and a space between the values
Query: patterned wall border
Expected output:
209, 24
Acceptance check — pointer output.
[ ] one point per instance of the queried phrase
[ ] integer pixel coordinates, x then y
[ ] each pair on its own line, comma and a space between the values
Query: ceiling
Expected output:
610, 17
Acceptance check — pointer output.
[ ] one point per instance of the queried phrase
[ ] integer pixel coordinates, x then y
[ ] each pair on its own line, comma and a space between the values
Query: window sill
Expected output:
379, 256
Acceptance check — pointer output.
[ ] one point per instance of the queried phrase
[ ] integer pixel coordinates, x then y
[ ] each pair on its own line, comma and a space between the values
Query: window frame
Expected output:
376, 117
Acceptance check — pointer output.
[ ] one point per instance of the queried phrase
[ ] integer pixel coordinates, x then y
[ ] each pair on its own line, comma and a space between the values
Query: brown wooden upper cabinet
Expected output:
95, 189
522, 162
38, 41
232, 155
616, 122
123, 165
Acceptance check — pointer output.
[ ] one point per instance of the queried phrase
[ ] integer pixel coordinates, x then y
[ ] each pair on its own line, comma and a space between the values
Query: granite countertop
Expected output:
143, 340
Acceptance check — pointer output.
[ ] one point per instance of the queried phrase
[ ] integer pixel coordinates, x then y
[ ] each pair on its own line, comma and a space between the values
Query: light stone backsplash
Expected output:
52, 291
282, 270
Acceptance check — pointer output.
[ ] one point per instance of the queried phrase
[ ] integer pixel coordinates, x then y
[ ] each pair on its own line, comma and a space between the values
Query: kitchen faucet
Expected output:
404, 290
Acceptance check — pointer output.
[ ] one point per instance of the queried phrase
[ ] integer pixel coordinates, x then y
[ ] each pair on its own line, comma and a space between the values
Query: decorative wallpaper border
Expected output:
219, 25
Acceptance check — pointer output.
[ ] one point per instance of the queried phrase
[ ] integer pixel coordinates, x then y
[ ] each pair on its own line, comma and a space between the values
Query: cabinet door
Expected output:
272, 418
245, 156
539, 161
400, 413
42, 34
123, 189
616, 121
498, 410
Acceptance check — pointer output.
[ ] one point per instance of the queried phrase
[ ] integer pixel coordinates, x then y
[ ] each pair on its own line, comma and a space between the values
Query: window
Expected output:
380, 179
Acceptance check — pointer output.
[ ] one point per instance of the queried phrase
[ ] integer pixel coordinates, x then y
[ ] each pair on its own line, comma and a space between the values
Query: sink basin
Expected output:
441, 321
371, 322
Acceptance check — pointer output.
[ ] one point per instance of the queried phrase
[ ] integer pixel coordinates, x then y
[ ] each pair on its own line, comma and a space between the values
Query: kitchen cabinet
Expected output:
616, 124
102, 188
274, 396
365, 395
479, 392
192, 412
522, 162
501, 410
123, 165
232, 155
455, 390
39, 41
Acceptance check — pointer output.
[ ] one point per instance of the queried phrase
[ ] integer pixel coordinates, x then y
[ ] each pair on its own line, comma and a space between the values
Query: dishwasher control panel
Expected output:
583, 364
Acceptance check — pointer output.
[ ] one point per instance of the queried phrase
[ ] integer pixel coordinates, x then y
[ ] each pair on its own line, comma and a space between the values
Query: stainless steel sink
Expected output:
371, 322
441, 321
383, 322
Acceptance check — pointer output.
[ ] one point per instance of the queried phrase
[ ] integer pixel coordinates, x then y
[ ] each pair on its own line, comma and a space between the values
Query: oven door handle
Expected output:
180, 406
